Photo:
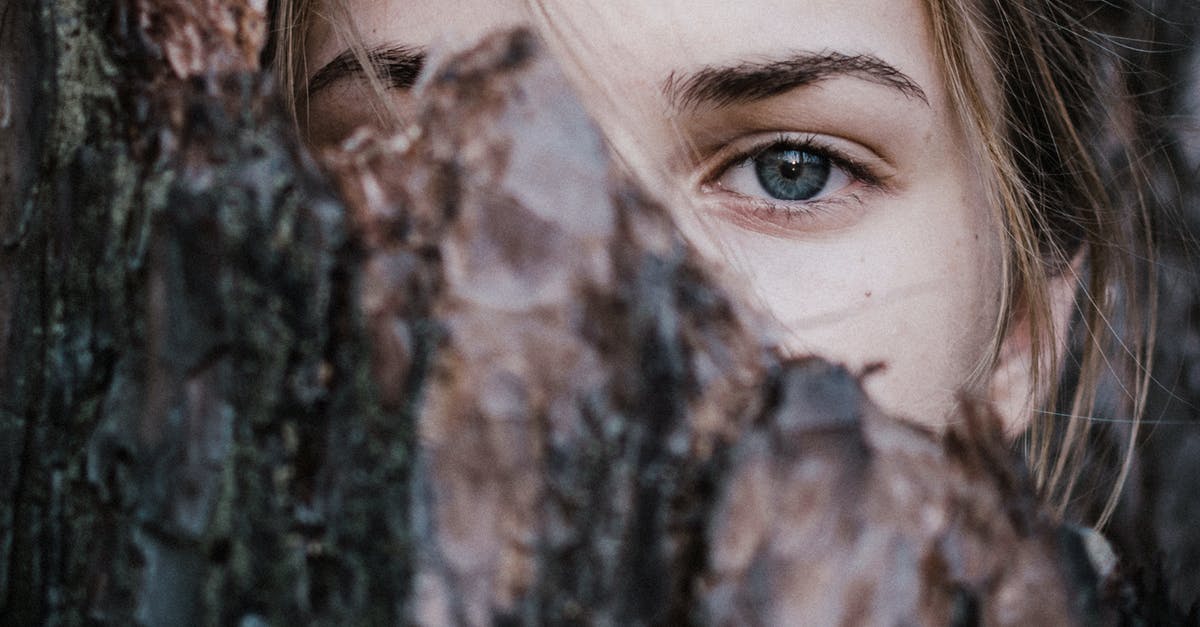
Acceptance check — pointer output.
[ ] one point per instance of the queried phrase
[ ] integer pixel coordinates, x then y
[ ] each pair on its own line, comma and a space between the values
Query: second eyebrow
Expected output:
750, 81
396, 66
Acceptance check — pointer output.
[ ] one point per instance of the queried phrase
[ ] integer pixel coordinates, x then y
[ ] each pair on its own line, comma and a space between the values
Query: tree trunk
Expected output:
484, 381
181, 371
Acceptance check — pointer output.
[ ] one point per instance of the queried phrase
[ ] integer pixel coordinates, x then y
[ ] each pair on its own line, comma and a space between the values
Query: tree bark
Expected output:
179, 359
480, 378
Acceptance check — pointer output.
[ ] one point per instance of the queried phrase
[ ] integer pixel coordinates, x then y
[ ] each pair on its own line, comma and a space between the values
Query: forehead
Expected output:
663, 36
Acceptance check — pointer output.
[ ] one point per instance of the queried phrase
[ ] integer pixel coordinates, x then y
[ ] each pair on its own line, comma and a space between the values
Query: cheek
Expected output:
916, 288
939, 324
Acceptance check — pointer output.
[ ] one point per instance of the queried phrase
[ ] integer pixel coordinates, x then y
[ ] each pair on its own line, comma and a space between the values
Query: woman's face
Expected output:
815, 145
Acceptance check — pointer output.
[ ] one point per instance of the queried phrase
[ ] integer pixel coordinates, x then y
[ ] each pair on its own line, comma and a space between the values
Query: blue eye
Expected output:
791, 173
788, 171
786, 183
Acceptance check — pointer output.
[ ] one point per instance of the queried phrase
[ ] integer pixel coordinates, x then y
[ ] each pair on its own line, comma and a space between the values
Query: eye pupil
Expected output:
790, 170
790, 173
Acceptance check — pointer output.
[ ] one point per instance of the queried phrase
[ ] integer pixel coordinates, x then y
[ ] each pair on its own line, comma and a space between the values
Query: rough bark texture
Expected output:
492, 385
183, 402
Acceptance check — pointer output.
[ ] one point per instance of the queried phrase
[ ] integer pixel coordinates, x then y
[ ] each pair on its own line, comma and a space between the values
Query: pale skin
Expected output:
890, 253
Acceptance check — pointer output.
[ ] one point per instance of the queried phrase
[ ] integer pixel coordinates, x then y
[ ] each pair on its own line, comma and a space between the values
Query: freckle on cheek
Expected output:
867, 293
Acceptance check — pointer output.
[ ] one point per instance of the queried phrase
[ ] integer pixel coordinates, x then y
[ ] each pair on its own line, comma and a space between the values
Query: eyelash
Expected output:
858, 172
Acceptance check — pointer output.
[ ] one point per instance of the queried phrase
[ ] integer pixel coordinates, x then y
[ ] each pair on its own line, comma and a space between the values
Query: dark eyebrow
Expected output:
749, 81
396, 66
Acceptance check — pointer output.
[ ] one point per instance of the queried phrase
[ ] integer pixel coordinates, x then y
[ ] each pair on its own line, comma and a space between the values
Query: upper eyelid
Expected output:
725, 161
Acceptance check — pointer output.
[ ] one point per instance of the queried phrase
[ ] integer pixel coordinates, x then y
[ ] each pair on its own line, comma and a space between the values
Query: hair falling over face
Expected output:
1031, 90
1073, 188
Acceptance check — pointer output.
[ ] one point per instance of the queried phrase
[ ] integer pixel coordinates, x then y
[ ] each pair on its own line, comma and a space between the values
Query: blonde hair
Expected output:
1026, 76
1061, 102
285, 49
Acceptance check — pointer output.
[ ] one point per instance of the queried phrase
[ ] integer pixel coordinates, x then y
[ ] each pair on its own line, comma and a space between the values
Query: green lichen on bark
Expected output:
54, 350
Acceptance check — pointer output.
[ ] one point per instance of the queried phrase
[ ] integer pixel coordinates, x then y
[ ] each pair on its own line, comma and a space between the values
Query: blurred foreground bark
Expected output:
490, 385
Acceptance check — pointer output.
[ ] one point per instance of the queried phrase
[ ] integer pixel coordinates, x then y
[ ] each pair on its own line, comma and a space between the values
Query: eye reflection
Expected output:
791, 173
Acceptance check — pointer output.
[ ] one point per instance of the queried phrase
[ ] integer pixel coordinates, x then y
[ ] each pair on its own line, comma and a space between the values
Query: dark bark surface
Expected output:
177, 321
486, 381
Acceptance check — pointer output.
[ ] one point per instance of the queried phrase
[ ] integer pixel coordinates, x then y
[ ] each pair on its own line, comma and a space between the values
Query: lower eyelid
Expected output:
788, 220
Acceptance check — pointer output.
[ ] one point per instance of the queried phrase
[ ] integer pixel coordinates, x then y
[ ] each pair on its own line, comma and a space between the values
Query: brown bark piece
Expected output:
604, 440
587, 357
203, 37
834, 514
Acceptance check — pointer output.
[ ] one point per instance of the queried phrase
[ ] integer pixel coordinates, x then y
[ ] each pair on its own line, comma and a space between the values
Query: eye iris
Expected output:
791, 174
